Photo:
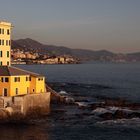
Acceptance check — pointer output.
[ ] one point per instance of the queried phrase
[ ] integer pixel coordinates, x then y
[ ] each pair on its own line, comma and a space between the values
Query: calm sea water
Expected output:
85, 81
123, 79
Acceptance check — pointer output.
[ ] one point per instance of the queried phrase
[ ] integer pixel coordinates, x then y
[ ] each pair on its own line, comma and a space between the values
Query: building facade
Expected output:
5, 43
15, 81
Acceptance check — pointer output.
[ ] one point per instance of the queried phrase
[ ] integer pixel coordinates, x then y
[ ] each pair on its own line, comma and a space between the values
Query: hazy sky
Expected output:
89, 24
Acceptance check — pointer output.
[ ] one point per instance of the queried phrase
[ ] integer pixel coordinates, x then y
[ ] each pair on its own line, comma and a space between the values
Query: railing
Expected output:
51, 90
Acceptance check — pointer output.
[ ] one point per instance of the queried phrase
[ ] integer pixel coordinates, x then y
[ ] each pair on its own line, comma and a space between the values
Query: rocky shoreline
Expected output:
113, 109
103, 108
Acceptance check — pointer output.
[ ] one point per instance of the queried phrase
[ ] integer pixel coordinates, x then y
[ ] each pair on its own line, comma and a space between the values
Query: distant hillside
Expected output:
41, 48
83, 54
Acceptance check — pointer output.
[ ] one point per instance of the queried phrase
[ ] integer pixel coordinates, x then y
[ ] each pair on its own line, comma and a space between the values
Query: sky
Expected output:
112, 25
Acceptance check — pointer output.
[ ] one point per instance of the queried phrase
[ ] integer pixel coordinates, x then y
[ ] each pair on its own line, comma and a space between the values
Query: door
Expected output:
5, 91
27, 90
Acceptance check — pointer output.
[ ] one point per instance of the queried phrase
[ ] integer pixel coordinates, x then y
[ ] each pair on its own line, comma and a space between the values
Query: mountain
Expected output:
134, 56
91, 55
83, 54
29, 44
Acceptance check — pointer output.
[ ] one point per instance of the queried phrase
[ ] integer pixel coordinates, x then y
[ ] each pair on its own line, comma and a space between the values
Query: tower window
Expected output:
6, 42
8, 31
2, 31
2, 42
0, 63
7, 53
7, 63
0, 53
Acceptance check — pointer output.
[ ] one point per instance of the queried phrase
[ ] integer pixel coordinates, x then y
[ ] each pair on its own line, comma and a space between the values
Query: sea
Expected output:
85, 83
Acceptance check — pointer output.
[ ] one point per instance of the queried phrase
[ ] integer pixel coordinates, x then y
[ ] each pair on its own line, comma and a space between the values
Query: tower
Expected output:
5, 43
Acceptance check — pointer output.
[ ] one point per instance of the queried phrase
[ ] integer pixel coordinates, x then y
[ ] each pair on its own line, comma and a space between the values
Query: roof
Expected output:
5, 23
13, 71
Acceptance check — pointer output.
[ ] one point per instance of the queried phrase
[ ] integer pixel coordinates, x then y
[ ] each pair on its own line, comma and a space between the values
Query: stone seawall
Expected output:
36, 103
21, 107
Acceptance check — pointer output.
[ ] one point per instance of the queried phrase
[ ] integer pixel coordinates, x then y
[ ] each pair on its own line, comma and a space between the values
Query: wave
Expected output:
62, 92
132, 121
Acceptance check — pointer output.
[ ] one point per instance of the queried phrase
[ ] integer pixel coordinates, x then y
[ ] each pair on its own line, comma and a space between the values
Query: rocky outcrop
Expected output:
111, 109
60, 98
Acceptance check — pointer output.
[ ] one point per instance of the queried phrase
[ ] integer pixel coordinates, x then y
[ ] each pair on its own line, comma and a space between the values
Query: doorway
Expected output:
27, 90
5, 92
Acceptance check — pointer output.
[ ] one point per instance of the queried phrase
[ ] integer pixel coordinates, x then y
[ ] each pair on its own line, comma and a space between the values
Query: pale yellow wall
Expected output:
40, 85
22, 85
4, 48
33, 85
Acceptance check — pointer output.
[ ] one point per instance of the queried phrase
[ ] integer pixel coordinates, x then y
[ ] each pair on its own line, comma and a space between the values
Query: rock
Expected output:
69, 100
9, 110
113, 109
63, 92
97, 105
113, 102
57, 99
99, 111
107, 116
120, 114
134, 115
82, 105
133, 106
61, 99
3, 114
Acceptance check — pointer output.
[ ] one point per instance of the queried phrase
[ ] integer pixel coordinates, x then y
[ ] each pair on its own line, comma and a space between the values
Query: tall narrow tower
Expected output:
5, 43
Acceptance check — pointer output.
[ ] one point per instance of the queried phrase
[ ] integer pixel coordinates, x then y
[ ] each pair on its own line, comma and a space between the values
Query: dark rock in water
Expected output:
69, 100
97, 104
57, 99
133, 106
118, 103
120, 114
82, 105
107, 116
134, 115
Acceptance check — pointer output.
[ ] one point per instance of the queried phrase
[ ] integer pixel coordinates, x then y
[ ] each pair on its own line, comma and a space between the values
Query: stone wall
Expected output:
36, 104
32, 104
1, 103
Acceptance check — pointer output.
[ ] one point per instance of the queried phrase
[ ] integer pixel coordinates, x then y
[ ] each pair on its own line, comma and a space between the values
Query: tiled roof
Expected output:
13, 71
